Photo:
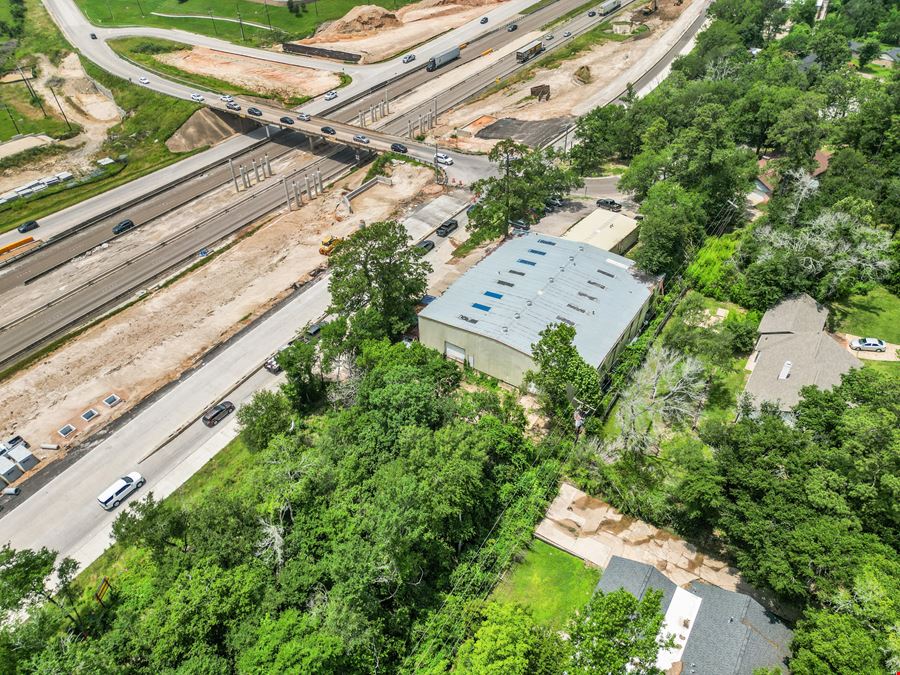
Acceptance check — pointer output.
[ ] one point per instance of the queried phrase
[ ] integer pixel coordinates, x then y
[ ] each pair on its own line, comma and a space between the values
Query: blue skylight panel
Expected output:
492, 294
483, 308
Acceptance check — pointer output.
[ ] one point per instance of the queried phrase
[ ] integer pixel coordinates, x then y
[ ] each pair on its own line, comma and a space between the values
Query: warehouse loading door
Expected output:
451, 351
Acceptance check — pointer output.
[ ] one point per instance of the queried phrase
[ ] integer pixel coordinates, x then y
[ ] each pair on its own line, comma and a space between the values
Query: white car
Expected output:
331, 95
409, 58
303, 117
359, 138
143, 80
441, 158
197, 97
112, 496
227, 98
867, 344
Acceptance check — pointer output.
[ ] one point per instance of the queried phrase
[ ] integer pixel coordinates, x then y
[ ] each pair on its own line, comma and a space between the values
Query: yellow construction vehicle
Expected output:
649, 8
328, 245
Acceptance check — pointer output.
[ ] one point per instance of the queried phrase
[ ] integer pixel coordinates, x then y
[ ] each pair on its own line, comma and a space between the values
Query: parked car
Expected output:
446, 228
520, 225
442, 158
286, 120
272, 364
554, 202
112, 496
143, 80
425, 246
303, 117
328, 245
409, 58
512, 27
359, 138
312, 331
231, 105
609, 205
28, 226
426, 300
329, 131
868, 344
399, 147
483, 20
218, 413
124, 226
331, 95
256, 112
197, 97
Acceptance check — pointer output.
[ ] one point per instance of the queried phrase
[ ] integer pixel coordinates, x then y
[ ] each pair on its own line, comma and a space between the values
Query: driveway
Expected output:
890, 354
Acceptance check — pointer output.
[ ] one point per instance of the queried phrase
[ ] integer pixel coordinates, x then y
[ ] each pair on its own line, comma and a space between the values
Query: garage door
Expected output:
451, 351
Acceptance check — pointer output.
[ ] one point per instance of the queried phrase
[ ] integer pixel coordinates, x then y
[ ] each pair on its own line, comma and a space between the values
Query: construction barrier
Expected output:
15, 245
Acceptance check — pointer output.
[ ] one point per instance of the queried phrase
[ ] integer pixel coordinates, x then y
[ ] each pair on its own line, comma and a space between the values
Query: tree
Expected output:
825, 642
156, 525
797, 133
377, 272
25, 573
671, 230
617, 633
831, 49
559, 364
266, 415
870, 49
527, 179
508, 642
304, 386
603, 133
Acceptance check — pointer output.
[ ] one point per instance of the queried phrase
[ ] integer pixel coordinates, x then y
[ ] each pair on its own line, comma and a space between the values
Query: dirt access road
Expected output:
378, 34
151, 343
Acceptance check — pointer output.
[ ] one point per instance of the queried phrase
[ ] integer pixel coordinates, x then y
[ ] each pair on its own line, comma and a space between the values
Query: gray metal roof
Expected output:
535, 280
732, 633
796, 314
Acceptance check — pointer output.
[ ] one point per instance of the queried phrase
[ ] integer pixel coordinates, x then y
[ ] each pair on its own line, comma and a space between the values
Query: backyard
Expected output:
549, 582
223, 18
875, 314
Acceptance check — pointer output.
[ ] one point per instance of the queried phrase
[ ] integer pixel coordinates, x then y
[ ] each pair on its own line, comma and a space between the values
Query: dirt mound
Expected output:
204, 128
362, 19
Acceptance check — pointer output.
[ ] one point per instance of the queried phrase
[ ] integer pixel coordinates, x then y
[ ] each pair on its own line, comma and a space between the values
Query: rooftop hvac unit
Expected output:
785, 371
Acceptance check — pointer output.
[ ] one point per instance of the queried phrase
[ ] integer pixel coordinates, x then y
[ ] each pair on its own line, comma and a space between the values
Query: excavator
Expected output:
649, 8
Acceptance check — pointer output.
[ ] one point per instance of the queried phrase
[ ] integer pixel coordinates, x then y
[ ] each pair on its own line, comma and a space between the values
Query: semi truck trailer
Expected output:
609, 6
530, 50
442, 59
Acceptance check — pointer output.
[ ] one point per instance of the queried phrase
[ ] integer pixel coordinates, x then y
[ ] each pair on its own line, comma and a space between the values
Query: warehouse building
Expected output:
492, 315
613, 232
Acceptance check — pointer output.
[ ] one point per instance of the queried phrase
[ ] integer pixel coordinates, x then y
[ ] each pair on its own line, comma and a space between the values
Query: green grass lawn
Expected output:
19, 114
550, 582
286, 24
876, 314
140, 138
890, 367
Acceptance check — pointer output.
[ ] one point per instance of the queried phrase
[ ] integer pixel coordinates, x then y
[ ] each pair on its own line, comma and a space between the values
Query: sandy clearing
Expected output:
84, 104
267, 77
378, 34
607, 62
151, 343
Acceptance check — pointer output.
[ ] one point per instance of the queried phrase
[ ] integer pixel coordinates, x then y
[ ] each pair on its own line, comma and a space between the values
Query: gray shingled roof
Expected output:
732, 633
536, 280
796, 314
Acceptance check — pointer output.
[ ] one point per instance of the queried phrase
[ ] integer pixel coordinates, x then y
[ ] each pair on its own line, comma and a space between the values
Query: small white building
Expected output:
492, 315
613, 232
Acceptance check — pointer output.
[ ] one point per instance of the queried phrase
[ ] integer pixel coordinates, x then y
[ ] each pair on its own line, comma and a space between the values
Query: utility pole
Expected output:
34, 97
215, 30
12, 119
68, 123
109, 9
240, 21
268, 18
140, 7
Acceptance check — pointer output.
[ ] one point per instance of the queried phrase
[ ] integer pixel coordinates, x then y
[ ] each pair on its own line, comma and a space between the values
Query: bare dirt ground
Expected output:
204, 128
152, 342
378, 34
84, 104
277, 79
606, 62
17, 145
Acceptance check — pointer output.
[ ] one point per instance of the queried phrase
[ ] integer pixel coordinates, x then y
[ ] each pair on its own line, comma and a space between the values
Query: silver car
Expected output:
868, 344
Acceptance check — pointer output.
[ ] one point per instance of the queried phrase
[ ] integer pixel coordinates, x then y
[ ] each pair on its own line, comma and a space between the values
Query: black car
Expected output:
484, 20
592, 13
312, 332
218, 413
93, 36
399, 147
447, 228
287, 120
256, 112
609, 205
28, 227
124, 226
425, 246
512, 27
329, 131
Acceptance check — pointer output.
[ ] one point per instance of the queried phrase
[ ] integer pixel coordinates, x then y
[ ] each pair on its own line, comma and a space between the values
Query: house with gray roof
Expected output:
716, 632
794, 351
492, 315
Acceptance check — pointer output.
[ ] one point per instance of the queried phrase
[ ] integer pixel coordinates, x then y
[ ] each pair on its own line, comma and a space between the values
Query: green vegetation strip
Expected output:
551, 583
540, 4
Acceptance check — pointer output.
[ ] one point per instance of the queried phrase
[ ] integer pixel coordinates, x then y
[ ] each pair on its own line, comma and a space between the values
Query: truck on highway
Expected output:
442, 59
609, 6
530, 50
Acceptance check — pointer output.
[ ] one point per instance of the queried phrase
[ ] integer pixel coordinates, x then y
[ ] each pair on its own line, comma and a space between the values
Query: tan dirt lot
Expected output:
267, 77
151, 343
378, 34
84, 104
605, 61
